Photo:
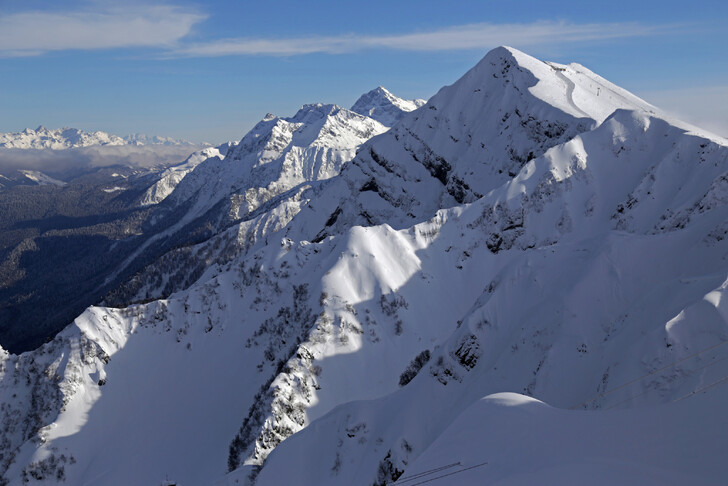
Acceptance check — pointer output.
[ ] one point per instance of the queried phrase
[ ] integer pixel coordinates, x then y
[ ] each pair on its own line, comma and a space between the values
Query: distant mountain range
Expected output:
64, 138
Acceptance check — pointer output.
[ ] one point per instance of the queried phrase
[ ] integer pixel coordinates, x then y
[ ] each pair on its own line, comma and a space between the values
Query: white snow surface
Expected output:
172, 176
523, 441
512, 439
477, 134
277, 155
262, 181
41, 179
522, 282
113, 189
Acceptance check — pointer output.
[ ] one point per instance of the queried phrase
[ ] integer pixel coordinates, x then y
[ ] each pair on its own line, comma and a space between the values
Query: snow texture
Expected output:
64, 138
169, 179
524, 281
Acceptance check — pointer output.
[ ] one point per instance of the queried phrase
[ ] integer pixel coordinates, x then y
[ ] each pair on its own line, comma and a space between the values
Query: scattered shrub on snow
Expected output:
414, 367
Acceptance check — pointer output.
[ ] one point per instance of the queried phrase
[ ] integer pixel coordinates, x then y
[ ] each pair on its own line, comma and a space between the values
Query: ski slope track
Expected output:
522, 281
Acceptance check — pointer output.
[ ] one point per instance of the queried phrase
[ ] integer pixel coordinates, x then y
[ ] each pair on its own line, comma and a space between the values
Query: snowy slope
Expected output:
280, 154
260, 186
510, 439
477, 134
40, 178
468, 139
169, 179
355, 338
265, 188
516, 436
563, 287
277, 155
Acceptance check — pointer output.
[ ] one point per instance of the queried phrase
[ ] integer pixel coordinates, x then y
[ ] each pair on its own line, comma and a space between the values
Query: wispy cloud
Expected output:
471, 36
34, 33
168, 27
56, 162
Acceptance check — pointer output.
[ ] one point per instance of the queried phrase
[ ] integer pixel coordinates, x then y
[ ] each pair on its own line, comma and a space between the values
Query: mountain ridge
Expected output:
67, 137
364, 312
264, 181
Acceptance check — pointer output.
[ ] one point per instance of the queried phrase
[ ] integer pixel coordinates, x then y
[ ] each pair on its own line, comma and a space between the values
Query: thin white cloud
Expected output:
56, 162
472, 36
166, 27
33, 33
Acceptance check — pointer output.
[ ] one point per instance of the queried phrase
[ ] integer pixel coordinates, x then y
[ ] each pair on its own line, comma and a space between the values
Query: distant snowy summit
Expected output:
65, 138
384, 107
60, 138
143, 139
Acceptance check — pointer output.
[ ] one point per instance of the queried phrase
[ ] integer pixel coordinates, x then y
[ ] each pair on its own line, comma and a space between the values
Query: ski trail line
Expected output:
570, 92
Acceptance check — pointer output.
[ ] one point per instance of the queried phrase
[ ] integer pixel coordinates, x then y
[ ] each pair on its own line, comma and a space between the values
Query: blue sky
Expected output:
209, 71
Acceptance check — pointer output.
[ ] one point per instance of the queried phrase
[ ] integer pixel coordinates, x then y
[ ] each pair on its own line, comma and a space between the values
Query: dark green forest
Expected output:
59, 244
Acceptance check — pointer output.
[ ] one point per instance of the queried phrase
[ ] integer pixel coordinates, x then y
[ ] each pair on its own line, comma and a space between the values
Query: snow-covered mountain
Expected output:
143, 139
384, 107
476, 135
64, 138
258, 188
277, 155
573, 290
60, 138
169, 179
533, 229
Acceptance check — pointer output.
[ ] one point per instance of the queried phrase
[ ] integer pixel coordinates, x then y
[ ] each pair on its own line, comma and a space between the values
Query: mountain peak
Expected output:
383, 92
572, 89
479, 132
383, 106
506, 51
